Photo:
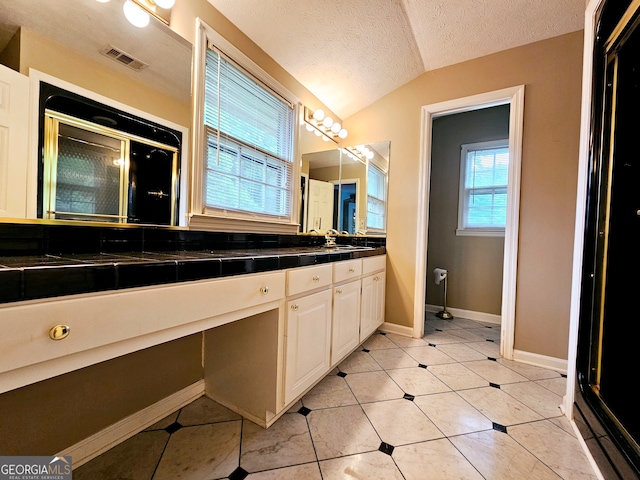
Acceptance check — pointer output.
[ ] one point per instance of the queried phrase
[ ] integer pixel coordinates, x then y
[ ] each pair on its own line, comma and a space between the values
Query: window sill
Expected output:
480, 232
233, 225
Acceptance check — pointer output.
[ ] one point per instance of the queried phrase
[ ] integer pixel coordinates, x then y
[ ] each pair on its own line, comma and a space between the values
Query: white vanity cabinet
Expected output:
308, 342
373, 295
307, 328
346, 320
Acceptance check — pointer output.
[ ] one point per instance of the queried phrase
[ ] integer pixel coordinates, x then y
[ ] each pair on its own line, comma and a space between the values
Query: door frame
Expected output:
514, 97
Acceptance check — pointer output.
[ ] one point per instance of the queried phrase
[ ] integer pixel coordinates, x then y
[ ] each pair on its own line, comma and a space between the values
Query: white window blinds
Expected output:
484, 192
376, 198
249, 135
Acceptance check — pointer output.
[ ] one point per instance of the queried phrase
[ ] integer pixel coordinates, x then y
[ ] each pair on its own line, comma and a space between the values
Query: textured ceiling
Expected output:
349, 53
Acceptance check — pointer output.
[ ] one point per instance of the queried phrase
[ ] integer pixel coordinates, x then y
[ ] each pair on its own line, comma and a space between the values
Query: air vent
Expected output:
124, 58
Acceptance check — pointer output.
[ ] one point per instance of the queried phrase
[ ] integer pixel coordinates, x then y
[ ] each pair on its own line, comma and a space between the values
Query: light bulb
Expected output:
103, 1
327, 122
343, 133
318, 115
335, 128
370, 155
135, 14
309, 127
317, 132
165, 3
325, 138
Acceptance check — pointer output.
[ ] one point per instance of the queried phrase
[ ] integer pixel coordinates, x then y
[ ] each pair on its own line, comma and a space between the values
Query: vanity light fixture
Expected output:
138, 11
321, 125
355, 154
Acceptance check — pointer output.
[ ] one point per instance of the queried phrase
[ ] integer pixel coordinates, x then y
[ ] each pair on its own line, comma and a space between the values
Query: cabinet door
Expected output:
372, 314
346, 320
14, 116
308, 342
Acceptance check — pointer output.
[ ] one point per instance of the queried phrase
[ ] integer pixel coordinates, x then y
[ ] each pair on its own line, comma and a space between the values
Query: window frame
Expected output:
384, 178
201, 216
463, 230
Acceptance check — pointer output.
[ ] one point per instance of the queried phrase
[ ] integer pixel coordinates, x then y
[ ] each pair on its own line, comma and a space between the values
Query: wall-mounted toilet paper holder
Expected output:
440, 275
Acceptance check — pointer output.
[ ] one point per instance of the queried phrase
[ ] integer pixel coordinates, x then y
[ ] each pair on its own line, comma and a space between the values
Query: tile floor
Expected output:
442, 407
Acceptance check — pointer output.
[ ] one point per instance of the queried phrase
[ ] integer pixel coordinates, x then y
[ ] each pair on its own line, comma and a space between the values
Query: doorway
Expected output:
467, 216
514, 97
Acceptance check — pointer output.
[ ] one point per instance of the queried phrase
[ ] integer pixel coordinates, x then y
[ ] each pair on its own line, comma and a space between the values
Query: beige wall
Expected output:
474, 263
49, 416
551, 71
46, 56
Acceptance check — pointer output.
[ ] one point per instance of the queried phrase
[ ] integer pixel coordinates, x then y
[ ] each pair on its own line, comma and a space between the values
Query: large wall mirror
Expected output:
90, 45
343, 188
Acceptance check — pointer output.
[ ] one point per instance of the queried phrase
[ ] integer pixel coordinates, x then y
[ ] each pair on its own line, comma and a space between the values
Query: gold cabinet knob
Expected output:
377, 279
294, 307
351, 269
264, 290
316, 278
338, 290
59, 332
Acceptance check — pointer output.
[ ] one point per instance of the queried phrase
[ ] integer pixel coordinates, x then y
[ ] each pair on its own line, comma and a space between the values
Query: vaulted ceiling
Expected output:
350, 53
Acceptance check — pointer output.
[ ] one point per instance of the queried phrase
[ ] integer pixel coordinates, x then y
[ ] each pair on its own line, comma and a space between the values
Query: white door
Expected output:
14, 125
320, 216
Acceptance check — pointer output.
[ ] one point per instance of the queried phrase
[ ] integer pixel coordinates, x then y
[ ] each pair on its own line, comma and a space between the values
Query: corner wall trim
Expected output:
394, 328
91, 447
551, 363
468, 314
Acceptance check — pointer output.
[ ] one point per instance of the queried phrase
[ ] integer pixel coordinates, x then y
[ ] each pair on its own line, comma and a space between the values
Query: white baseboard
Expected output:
469, 314
91, 447
551, 363
393, 328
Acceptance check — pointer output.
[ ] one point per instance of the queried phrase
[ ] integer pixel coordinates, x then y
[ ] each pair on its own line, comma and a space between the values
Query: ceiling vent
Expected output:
124, 58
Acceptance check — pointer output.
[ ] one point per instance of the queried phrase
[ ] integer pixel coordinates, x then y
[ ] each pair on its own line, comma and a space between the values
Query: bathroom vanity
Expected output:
276, 315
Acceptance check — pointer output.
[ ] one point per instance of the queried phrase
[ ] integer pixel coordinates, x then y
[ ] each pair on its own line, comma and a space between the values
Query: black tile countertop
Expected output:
42, 263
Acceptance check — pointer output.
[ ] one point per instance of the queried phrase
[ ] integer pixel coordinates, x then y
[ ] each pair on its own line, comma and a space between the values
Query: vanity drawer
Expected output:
304, 279
347, 270
98, 320
374, 264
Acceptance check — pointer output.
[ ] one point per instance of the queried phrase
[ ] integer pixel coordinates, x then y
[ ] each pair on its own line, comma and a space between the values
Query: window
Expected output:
247, 143
484, 174
376, 199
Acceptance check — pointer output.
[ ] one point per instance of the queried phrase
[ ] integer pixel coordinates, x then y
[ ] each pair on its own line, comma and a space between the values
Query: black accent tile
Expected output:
432, 344
341, 374
190, 240
119, 240
289, 261
266, 264
489, 340
563, 375
494, 385
437, 330
22, 239
422, 365
382, 333
11, 281
72, 240
236, 266
492, 359
304, 411
159, 240
306, 260
42, 282
216, 241
198, 269
499, 428
408, 396
238, 474
366, 350
142, 274
386, 448
173, 428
